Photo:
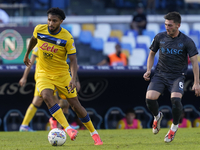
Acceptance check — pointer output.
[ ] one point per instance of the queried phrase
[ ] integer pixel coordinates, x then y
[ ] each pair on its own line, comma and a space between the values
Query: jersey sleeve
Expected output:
139, 125
70, 46
196, 123
35, 31
189, 124
35, 51
121, 125
155, 44
191, 48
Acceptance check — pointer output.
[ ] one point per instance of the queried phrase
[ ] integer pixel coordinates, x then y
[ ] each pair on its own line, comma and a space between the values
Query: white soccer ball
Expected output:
57, 137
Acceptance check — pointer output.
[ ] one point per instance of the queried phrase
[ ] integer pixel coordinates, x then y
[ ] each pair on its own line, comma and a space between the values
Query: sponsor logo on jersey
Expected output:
47, 55
172, 51
58, 42
11, 44
162, 42
48, 48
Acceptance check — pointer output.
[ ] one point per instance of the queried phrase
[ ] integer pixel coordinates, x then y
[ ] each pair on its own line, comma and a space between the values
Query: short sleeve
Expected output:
191, 48
35, 31
70, 46
35, 51
155, 44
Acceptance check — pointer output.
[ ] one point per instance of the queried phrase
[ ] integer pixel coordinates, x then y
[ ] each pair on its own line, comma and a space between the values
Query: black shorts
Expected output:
172, 82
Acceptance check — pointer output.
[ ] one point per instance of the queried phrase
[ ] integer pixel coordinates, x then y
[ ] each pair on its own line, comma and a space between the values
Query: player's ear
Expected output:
61, 21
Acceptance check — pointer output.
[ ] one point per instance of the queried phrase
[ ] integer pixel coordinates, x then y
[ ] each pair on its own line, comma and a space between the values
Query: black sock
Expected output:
177, 109
153, 106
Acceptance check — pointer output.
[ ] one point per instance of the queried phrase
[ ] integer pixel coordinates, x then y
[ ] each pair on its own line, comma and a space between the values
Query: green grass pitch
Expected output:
142, 139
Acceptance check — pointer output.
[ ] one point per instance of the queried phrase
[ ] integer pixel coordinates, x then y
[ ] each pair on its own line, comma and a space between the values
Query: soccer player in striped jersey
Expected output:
54, 43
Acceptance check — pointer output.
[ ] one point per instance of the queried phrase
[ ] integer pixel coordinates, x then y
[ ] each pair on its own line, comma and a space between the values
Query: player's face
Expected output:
54, 23
171, 27
130, 117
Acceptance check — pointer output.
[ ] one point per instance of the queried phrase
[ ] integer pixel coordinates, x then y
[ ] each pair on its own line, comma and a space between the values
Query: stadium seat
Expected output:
113, 39
12, 120
97, 44
62, 4
138, 57
0, 122
104, 28
76, 29
143, 115
162, 27
95, 117
100, 34
68, 27
108, 48
127, 46
149, 33
195, 36
143, 39
191, 112
185, 28
167, 115
41, 4
132, 33
153, 27
129, 40
85, 37
88, 27
40, 120
116, 33
126, 52
112, 116
196, 26
142, 45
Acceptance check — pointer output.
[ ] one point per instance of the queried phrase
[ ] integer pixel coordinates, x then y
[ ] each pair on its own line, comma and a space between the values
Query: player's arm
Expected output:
150, 62
73, 68
23, 80
31, 45
196, 86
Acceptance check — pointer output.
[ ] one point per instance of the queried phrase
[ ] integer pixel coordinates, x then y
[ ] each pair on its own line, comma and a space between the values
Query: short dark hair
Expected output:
130, 110
57, 11
175, 16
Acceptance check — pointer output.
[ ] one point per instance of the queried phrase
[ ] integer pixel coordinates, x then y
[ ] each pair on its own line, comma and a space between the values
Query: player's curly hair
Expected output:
175, 16
57, 11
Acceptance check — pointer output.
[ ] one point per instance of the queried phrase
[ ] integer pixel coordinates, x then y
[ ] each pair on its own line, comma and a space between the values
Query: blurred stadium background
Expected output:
97, 25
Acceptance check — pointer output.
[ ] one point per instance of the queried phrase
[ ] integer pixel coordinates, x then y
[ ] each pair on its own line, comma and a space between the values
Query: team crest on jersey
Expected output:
58, 42
180, 44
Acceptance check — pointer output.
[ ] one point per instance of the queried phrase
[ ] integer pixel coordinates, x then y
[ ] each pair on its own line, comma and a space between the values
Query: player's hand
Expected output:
22, 81
146, 75
27, 61
196, 89
72, 85
78, 86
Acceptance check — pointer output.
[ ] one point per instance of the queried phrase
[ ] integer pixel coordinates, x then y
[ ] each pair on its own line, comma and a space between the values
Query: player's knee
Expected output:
176, 103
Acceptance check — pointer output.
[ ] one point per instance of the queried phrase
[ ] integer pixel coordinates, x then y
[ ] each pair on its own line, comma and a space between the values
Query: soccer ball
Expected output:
57, 137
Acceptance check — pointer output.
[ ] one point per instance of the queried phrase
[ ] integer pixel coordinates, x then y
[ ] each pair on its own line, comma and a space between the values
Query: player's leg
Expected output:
36, 102
84, 117
177, 108
154, 90
46, 88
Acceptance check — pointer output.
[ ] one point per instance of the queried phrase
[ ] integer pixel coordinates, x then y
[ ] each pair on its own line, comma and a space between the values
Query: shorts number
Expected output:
68, 89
